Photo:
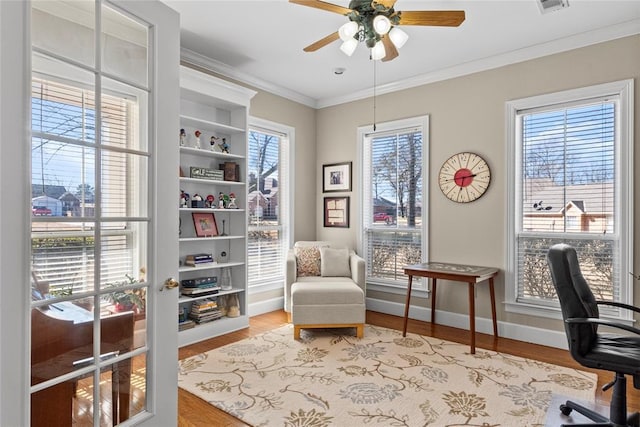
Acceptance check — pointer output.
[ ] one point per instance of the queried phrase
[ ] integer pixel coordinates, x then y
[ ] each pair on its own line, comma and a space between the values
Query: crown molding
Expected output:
601, 35
194, 58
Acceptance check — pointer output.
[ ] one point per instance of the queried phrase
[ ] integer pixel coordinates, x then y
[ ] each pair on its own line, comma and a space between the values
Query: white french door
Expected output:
88, 240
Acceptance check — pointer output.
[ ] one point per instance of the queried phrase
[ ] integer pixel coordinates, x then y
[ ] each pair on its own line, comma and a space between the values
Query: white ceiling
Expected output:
260, 42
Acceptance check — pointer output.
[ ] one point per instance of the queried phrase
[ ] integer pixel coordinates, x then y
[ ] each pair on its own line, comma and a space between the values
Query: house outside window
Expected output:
393, 199
268, 203
570, 165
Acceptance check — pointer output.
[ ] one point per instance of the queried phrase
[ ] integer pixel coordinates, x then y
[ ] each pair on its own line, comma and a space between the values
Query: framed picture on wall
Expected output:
336, 212
336, 177
205, 224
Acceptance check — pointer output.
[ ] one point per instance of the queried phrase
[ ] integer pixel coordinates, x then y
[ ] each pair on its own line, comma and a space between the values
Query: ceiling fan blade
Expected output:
322, 5
387, 3
390, 50
440, 18
322, 42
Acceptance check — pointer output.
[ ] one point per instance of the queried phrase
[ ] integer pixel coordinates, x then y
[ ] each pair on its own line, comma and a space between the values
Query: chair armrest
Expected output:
290, 279
619, 304
603, 322
356, 263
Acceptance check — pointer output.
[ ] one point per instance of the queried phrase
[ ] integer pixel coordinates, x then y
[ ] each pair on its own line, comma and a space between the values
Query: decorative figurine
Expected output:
224, 147
196, 201
184, 199
209, 201
183, 137
232, 201
197, 134
221, 200
213, 141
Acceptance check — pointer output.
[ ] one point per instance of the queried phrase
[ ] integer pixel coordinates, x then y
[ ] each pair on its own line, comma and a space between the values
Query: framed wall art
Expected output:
336, 177
336, 212
205, 224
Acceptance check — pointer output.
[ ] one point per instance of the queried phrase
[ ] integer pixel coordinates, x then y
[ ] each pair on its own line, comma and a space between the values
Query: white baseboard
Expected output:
266, 306
506, 330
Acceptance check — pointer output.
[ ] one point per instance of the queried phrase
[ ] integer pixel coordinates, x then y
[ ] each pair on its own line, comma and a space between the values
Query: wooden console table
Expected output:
459, 273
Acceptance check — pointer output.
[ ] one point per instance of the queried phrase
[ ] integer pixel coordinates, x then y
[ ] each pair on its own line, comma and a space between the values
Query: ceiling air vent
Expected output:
551, 5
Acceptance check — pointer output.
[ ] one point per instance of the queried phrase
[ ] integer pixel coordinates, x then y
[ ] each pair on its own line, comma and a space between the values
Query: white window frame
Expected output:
286, 189
623, 178
419, 287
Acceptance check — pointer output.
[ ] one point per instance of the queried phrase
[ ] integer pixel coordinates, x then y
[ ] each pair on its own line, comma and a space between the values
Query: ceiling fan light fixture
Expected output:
381, 24
348, 30
398, 37
349, 46
378, 51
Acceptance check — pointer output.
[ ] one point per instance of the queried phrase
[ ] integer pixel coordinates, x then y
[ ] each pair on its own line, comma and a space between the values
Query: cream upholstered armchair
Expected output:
325, 287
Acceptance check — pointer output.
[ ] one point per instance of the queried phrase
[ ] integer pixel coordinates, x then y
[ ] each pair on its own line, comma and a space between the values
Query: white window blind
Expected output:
392, 203
268, 203
568, 175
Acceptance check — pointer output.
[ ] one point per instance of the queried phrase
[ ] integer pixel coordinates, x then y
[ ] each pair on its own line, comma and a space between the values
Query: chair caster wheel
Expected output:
565, 410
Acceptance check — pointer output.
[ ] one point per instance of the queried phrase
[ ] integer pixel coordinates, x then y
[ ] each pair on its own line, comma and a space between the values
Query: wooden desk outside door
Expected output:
459, 273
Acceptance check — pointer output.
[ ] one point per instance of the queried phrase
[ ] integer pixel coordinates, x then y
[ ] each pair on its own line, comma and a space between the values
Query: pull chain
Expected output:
374, 95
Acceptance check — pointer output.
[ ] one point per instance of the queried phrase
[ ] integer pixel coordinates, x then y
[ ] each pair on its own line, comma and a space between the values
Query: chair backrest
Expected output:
576, 298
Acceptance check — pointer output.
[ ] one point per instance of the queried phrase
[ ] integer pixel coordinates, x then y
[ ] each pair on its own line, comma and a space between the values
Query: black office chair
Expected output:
588, 346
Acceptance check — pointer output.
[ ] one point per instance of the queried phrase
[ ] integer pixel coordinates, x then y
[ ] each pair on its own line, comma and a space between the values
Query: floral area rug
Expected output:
331, 378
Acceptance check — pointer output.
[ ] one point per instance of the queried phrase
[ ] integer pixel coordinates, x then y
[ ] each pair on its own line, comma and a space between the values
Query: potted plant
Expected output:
127, 299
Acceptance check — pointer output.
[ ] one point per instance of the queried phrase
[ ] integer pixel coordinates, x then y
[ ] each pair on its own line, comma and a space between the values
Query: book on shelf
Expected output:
199, 282
198, 259
200, 291
186, 324
203, 305
204, 311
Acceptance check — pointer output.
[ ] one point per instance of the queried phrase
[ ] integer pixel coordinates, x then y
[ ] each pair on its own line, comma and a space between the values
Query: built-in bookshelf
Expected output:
213, 166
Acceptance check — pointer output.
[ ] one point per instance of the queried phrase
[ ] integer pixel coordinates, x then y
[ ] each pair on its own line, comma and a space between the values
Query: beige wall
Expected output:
468, 114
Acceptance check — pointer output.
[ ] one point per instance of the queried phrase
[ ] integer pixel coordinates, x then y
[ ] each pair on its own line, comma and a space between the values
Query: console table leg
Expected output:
472, 317
406, 307
493, 307
433, 300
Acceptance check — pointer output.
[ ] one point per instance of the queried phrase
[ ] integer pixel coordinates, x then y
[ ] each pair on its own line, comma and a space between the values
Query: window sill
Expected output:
416, 291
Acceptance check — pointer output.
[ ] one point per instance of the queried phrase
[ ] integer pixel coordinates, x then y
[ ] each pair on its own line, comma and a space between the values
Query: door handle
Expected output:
170, 283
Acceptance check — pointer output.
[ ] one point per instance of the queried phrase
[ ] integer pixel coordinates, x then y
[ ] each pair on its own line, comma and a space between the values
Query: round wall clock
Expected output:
464, 177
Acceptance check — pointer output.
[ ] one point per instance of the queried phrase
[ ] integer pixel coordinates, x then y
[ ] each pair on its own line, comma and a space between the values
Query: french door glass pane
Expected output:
65, 28
124, 119
125, 47
63, 257
123, 175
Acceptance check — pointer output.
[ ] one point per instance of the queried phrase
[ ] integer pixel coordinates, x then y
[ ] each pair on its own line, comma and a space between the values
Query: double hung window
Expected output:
268, 203
571, 171
393, 213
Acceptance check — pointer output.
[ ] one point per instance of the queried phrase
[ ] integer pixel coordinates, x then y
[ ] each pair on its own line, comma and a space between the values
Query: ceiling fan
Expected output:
376, 23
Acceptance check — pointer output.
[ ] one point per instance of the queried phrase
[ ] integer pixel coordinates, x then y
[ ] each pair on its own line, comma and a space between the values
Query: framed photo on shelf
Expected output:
205, 224
336, 177
336, 212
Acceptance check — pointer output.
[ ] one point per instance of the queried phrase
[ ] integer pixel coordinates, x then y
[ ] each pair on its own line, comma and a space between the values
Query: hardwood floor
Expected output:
194, 412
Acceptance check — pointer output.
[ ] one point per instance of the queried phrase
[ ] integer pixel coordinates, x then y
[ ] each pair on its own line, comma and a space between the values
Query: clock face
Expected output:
464, 177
